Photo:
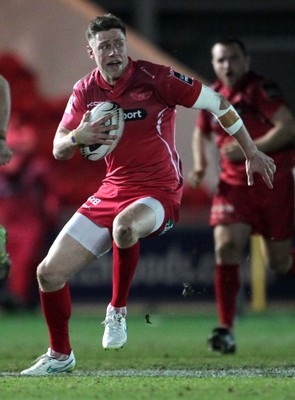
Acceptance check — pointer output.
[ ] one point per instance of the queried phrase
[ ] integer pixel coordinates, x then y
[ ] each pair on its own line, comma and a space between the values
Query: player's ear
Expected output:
90, 52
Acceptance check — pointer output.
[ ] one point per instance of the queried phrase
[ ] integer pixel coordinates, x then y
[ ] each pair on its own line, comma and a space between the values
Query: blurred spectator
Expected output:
28, 208
32, 204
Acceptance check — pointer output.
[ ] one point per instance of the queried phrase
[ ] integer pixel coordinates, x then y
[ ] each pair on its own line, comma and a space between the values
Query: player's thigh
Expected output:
143, 217
278, 256
230, 241
65, 258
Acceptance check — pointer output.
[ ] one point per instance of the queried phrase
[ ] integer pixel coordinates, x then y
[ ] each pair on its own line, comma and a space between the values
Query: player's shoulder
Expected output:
267, 85
149, 68
86, 81
160, 73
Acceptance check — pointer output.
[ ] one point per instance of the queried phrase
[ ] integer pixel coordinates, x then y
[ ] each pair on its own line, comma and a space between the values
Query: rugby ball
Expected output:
96, 152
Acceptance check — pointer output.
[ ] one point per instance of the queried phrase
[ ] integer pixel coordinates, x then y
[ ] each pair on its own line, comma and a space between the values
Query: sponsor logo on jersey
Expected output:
183, 78
134, 114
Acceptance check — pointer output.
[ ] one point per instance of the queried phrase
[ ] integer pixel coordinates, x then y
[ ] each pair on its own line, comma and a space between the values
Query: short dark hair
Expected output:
104, 23
231, 41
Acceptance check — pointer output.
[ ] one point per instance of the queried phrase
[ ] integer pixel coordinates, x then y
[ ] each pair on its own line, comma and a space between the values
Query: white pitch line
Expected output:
179, 373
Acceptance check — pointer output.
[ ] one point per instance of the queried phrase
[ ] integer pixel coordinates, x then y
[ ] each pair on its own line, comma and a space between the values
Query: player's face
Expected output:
109, 50
230, 64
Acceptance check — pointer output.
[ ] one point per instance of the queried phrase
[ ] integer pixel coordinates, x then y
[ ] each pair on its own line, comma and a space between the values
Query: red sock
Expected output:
124, 265
56, 308
227, 284
292, 269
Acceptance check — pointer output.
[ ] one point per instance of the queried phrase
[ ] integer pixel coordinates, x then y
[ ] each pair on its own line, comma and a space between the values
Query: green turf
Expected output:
147, 388
167, 359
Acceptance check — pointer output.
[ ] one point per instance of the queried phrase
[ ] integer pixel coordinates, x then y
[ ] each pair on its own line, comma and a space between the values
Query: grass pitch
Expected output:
167, 359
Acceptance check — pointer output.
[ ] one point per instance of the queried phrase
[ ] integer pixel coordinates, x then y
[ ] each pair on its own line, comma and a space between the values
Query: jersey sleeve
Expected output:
177, 89
74, 111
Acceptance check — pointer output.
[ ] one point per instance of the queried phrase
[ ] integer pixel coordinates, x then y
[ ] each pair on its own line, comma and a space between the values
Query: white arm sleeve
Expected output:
209, 100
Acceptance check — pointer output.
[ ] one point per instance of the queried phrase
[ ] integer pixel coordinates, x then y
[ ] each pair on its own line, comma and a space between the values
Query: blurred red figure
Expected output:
28, 208
36, 191
28, 205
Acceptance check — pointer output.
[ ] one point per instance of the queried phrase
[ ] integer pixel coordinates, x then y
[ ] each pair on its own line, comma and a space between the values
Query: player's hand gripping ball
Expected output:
96, 152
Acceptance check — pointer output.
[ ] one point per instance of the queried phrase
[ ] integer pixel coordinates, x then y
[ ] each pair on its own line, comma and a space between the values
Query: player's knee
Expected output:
43, 278
227, 252
124, 234
48, 280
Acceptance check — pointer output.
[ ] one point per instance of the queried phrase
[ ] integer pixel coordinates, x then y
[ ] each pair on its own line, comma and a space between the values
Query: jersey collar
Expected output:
120, 84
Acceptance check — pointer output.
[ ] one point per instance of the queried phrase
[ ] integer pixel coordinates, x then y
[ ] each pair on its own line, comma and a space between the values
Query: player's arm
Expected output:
279, 137
229, 119
66, 142
199, 140
64, 146
5, 107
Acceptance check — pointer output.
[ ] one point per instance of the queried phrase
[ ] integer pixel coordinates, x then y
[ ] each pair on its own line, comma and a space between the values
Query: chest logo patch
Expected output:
141, 96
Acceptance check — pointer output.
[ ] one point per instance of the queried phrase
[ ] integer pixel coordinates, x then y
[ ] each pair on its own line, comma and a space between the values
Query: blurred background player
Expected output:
5, 156
238, 210
141, 193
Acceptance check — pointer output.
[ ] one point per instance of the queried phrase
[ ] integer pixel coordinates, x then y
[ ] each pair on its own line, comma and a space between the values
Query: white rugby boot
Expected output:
115, 331
47, 365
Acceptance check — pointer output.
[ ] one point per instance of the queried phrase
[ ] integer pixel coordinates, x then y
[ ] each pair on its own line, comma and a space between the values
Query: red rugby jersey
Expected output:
146, 155
256, 99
